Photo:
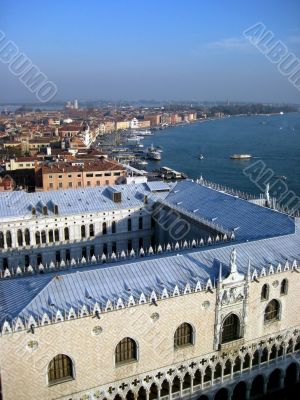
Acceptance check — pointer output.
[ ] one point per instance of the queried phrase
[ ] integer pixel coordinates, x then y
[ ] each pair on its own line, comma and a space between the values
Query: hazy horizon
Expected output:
191, 51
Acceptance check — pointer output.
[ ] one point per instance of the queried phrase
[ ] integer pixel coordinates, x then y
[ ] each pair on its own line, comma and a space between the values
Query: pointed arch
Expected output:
230, 328
218, 371
272, 311
227, 368
255, 358
27, 237
284, 287
20, 237
265, 290
246, 362
264, 355
237, 365
184, 335
208, 374
8, 239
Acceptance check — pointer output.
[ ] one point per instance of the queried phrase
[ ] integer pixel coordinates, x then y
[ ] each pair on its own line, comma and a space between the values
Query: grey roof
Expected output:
74, 201
248, 221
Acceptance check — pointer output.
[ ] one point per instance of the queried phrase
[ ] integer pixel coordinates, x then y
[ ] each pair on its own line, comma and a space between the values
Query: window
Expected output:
67, 233
68, 255
43, 237
272, 311
69, 175
60, 176
107, 174
83, 252
82, 231
140, 222
20, 237
60, 185
92, 232
183, 335
51, 236
50, 176
265, 292
1, 240
117, 173
79, 184
45, 210
27, 237
114, 247
98, 175
284, 287
129, 225
70, 184
60, 369
51, 185
141, 243
104, 228
8, 239
78, 175
231, 328
126, 351
56, 235
37, 237
88, 183
89, 175
113, 227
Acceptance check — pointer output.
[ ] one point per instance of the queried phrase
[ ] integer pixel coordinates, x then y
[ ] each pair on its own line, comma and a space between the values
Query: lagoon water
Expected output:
273, 139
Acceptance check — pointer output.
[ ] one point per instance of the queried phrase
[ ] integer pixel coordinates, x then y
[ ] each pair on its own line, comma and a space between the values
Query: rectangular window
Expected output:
98, 183
50, 176
79, 184
88, 183
69, 175
60, 185
70, 184
117, 173
107, 174
129, 225
98, 175
51, 185
78, 176
60, 176
89, 175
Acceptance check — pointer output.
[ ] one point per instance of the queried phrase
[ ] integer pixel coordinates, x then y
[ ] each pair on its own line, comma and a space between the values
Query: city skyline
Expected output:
113, 50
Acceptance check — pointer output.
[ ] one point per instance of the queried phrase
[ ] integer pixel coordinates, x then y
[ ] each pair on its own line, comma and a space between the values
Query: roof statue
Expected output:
267, 195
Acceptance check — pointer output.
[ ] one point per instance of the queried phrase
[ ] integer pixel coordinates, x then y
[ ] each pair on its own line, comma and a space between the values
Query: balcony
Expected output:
234, 344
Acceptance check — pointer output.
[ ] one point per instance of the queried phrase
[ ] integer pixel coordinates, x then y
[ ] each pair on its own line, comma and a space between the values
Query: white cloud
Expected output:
233, 43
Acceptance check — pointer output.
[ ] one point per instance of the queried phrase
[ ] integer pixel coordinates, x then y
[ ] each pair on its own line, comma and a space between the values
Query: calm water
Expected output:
273, 139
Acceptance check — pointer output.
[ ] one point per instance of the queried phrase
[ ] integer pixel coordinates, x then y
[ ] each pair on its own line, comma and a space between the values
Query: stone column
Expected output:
170, 391
265, 387
181, 387
192, 384
247, 395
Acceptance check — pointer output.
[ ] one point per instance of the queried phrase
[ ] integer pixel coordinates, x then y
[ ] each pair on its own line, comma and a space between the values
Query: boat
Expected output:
241, 156
201, 156
153, 153
282, 177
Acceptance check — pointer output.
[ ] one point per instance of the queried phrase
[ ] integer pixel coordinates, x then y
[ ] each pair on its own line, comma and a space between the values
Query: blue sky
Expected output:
134, 49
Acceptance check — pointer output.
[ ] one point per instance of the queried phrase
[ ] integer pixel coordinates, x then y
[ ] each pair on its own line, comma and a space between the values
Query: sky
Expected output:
158, 49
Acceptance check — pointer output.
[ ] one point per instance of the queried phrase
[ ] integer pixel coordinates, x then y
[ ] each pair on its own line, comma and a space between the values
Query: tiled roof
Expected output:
35, 295
248, 221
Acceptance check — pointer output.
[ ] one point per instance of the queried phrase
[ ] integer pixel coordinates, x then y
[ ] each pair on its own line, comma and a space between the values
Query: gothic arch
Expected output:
231, 327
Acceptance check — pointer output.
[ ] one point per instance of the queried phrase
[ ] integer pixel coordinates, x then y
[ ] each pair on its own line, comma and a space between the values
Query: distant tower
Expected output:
76, 104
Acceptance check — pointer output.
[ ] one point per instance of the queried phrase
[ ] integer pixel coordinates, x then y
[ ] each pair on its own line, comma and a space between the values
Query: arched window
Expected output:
37, 237
39, 259
231, 328
67, 233
113, 227
27, 237
50, 233
60, 369
183, 335
129, 225
272, 311
284, 287
104, 228
126, 351
82, 231
92, 232
44, 237
265, 292
56, 235
8, 239
246, 363
20, 237
1, 240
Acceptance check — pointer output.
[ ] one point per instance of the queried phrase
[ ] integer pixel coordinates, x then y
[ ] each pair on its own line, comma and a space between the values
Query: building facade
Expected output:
210, 318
